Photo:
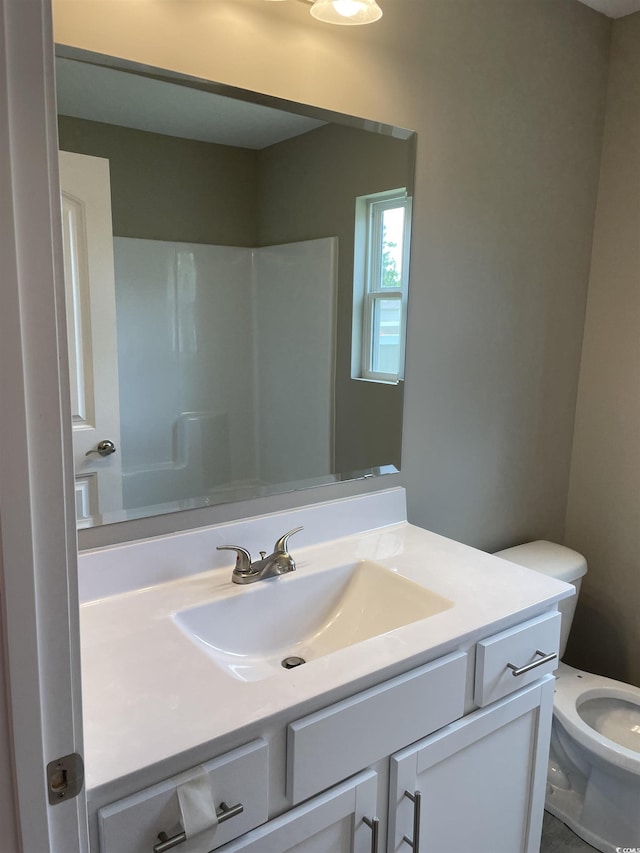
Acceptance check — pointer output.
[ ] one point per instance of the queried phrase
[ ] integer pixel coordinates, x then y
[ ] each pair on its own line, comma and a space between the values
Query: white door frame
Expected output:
37, 519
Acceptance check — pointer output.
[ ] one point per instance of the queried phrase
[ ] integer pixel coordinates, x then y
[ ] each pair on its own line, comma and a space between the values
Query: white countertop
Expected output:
151, 693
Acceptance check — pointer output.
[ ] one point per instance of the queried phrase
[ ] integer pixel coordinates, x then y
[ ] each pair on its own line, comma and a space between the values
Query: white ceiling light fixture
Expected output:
346, 12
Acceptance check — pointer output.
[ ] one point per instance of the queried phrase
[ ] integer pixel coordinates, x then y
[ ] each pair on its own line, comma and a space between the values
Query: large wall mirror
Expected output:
209, 270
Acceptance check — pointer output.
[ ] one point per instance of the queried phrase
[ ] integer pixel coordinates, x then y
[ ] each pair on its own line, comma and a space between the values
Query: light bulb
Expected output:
347, 8
346, 11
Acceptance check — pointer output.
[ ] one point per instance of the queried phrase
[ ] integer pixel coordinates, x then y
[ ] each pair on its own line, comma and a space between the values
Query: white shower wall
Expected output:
295, 358
200, 328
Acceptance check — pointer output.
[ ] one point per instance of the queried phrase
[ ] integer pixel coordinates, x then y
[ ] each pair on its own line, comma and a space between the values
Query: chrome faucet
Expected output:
279, 563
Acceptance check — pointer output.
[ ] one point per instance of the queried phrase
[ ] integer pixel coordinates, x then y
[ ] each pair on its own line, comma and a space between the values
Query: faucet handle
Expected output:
281, 544
243, 557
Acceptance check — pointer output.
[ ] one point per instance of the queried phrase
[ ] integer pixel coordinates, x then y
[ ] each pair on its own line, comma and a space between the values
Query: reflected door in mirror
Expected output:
91, 332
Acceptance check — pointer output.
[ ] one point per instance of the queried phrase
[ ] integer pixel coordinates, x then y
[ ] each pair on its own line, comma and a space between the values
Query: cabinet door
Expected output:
481, 780
332, 822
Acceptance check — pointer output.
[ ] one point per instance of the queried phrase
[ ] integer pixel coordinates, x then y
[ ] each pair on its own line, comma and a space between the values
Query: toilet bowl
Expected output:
594, 763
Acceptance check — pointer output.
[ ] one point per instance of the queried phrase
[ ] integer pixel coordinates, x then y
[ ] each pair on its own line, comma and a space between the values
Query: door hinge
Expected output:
65, 778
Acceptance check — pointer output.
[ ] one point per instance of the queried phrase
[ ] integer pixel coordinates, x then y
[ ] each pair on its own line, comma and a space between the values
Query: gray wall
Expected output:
507, 97
603, 518
165, 188
308, 189
509, 167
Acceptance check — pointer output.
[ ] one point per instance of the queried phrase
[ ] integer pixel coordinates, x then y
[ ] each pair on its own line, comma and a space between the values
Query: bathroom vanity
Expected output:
420, 719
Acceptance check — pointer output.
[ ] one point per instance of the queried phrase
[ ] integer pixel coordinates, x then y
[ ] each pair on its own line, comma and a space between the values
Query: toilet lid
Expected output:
615, 719
549, 558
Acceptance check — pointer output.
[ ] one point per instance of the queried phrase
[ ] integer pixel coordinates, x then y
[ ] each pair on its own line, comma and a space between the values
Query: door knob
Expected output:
103, 448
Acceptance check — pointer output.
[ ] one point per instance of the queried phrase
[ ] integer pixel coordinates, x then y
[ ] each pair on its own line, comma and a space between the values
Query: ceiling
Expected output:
108, 95
614, 8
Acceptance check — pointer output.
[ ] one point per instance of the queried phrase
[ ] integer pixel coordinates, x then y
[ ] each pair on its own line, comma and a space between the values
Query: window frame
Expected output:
368, 250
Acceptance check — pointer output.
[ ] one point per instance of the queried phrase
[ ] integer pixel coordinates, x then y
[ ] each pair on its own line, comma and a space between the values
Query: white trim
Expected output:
36, 477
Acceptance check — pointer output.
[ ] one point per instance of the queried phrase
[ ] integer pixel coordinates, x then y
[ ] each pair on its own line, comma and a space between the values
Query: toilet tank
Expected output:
557, 562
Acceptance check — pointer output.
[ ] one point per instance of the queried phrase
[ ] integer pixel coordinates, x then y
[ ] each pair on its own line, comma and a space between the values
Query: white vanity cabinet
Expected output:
326, 747
478, 784
452, 782
471, 785
341, 820
454, 702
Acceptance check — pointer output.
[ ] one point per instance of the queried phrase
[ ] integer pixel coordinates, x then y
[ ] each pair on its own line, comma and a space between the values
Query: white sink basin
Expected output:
250, 631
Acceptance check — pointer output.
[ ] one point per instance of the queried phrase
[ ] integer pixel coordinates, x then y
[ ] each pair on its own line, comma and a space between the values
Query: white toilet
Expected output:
594, 764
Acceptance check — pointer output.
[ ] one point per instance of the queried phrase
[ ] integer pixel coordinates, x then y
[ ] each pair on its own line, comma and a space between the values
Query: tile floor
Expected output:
558, 838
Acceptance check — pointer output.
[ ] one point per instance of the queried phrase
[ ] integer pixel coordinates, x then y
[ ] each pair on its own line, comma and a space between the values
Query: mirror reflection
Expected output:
227, 335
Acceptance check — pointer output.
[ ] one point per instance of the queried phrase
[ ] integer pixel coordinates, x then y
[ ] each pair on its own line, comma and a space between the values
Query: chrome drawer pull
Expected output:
165, 843
543, 658
374, 826
416, 799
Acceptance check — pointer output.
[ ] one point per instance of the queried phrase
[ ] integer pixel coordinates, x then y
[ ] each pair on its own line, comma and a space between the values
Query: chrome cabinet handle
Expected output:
416, 799
103, 448
374, 826
281, 544
165, 843
543, 658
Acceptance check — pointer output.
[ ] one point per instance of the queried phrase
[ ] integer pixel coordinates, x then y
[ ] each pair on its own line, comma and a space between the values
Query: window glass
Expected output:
392, 246
386, 323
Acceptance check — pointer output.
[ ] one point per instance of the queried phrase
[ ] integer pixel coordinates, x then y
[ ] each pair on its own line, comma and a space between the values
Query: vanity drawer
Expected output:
516, 657
340, 740
131, 825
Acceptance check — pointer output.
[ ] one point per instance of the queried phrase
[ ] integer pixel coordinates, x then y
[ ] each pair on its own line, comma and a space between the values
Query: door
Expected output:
341, 820
478, 784
91, 329
39, 597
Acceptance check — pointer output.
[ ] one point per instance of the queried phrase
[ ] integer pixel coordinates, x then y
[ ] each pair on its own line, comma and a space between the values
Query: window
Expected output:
381, 274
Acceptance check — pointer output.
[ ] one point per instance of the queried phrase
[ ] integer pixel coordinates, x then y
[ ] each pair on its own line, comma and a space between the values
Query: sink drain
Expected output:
292, 662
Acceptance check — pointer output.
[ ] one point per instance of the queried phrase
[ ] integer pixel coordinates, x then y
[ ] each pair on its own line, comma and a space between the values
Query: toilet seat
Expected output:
613, 718
584, 703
